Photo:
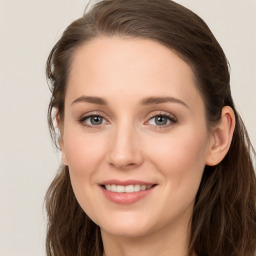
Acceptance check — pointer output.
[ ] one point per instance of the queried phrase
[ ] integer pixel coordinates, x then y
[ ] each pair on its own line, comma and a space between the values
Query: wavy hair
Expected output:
224, 215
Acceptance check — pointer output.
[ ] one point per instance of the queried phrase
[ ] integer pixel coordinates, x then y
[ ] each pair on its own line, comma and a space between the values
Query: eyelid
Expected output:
162, 113
171, 117
82, 119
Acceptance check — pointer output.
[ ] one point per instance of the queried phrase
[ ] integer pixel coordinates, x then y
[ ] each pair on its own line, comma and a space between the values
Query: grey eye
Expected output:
95, 120
160, 120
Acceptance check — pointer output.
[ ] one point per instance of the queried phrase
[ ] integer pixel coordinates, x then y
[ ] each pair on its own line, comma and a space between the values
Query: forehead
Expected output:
129, 67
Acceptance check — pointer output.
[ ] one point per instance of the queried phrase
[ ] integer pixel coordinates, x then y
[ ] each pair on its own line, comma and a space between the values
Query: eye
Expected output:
92, 120
161, 120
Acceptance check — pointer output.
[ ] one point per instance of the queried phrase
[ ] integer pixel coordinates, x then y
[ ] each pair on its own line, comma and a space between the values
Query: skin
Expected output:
130, 144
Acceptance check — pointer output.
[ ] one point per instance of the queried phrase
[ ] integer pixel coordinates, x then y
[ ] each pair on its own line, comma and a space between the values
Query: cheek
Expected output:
83, 153
84, 157
180, 159
181, 156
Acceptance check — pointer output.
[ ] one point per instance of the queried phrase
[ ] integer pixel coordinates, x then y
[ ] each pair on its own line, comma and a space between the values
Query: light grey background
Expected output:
28, 30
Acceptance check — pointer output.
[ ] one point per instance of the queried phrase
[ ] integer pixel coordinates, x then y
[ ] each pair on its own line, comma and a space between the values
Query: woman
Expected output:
156, 160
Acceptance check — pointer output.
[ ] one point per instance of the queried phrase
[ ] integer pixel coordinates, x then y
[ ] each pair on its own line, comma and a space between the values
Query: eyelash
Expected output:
82, 121
172, 120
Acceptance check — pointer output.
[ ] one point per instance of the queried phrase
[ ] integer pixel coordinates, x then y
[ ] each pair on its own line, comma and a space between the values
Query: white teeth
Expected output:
127, 189
143, 187
120, 189
137, 188
113, 188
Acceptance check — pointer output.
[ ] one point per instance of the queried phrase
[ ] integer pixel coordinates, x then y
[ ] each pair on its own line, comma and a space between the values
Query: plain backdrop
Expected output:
28, 160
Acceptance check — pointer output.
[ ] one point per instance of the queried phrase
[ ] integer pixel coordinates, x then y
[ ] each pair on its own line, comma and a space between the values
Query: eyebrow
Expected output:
90, 99
159, 100
146, 101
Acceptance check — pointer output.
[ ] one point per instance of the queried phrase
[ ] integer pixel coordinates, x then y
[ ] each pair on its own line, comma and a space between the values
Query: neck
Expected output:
170, 241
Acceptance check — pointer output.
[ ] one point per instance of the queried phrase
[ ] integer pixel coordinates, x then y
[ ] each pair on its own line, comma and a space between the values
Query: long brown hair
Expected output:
224, 215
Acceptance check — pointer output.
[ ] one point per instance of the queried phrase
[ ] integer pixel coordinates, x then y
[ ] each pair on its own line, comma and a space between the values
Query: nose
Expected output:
124, 149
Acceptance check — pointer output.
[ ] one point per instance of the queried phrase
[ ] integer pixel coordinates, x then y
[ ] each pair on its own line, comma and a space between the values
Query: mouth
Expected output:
126, 192
127, 189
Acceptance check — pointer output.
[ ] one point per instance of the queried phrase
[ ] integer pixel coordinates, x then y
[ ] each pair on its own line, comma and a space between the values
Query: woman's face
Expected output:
134, 135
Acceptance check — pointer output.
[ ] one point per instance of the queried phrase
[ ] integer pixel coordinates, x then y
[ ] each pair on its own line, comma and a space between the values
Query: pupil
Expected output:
96, 120
161, 120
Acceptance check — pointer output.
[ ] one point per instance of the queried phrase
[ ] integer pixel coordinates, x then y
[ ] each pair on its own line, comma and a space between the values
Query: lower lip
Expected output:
126, 198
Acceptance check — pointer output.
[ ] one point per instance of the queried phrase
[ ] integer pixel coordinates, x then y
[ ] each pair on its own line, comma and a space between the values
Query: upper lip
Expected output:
126, 182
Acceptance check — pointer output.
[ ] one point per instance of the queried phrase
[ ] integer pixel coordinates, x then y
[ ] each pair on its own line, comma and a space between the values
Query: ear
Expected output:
221, 137
60, 138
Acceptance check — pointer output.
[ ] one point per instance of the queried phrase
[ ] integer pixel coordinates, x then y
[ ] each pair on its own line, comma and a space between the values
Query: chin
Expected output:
127, 232
127, 225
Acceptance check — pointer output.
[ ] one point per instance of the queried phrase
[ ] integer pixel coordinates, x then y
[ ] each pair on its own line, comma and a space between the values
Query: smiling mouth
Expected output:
128, 188
126, 192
